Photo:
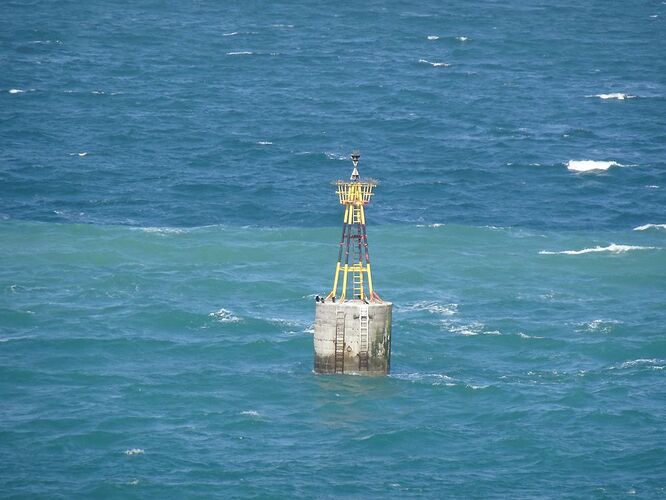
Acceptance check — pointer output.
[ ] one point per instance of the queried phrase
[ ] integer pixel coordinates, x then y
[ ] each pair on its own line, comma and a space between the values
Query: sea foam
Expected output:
590, 165
613, 248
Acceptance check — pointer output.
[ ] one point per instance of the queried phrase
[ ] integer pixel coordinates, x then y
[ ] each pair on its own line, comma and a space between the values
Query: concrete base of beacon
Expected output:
352, 337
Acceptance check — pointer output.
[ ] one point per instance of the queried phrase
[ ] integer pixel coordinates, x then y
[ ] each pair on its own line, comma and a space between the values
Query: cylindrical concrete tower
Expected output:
353, 327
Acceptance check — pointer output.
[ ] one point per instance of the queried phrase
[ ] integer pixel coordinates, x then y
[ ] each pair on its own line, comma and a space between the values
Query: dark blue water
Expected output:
166, 217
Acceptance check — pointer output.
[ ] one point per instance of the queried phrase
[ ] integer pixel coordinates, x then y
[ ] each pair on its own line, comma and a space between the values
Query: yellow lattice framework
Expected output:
353, 256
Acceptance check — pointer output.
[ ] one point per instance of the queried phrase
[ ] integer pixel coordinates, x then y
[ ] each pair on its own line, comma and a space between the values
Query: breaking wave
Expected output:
614, 95
645, 227
599, 325
434, 64
133, 451
590, 165
224, 316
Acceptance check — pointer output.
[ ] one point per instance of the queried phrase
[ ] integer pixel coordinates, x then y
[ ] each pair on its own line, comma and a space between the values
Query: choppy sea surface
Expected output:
166, 218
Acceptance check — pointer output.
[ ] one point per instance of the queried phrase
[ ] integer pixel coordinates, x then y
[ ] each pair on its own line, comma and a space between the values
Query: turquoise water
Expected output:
167, 218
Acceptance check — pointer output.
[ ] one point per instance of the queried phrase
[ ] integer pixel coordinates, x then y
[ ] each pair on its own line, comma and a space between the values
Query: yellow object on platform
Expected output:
355, 192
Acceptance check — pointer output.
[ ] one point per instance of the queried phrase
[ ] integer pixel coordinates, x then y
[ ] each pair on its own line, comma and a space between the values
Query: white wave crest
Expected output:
233, 33
462, 38
162, 230
613, 248
525, 336
336, 156
264, 143
434, 64
224, 316
250, 413
476, 387
16, 91
599, 325
433, 378
240, 53
472, 329
657, 364
590, 165
47, 42
614, 95
133, 451
645, 227
433, 308
433, 37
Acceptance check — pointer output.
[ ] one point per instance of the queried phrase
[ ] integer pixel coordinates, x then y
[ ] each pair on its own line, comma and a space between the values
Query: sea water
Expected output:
167, 217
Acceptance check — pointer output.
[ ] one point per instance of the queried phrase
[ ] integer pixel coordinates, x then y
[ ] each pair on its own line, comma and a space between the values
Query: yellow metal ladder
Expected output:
357, 285
356, 215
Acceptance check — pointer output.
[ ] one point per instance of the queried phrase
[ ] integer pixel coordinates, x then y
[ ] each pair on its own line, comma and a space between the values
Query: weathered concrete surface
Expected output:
378, 340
